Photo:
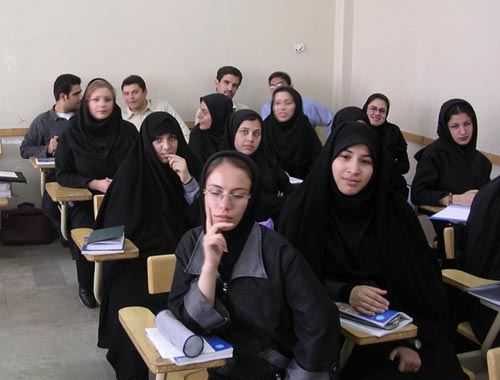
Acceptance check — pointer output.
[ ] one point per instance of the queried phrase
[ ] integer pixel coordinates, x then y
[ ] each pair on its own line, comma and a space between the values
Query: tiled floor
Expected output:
45, 333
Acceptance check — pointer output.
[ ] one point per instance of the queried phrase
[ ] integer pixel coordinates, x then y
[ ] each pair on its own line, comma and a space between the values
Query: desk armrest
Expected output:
134, 320
463, 280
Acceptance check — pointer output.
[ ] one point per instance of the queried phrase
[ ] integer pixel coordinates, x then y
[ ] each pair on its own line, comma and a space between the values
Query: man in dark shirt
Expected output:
41, 138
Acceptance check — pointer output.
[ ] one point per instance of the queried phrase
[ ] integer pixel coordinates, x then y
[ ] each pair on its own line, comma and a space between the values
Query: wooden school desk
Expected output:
135, 319
130, 252
42, 169
63, 195
353, 337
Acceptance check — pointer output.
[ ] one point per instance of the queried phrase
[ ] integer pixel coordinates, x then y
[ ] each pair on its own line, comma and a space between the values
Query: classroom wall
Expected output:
421, 54
175, 45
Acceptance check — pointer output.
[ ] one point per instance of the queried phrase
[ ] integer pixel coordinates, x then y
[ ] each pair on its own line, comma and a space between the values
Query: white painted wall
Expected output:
422, 53
175, 45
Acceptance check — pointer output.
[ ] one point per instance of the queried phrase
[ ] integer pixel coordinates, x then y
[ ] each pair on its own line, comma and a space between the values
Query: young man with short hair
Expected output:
135, 94
42, 136
227, 82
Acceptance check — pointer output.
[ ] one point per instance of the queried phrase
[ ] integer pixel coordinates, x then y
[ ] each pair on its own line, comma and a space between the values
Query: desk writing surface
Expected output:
361, 338
432, 209
60, 193
130, 250
135, 320
4, 201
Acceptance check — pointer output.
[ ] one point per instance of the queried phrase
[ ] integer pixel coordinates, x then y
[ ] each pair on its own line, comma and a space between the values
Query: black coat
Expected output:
273, 302
445, 166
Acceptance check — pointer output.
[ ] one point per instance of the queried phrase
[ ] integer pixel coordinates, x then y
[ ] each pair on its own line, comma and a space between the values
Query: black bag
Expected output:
25, 225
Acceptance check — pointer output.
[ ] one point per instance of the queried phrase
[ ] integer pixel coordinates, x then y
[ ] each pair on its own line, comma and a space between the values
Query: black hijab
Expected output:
445, 143
99, 138
374, 235
146, 195
294, 142
204, 143
350, 113
237, 237
482, 254
272, 177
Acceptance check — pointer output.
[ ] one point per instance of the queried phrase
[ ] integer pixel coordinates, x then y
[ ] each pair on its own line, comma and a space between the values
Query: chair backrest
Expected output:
160, 273
97, 203
493, 358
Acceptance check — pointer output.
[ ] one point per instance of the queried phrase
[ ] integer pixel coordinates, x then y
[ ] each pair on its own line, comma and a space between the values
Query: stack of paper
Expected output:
453, 213
105, 241
490, 293
5, 191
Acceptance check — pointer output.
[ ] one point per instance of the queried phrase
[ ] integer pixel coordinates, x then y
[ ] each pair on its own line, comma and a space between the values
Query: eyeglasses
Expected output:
217, 196
375, 109
276, 85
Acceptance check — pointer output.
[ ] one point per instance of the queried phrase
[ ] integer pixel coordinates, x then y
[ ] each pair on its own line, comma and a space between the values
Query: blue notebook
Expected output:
387, 321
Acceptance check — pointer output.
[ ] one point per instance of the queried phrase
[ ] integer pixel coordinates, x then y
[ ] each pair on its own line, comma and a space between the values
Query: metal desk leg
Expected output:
64, 219
492, 332
345, 352
42, 181
97, 280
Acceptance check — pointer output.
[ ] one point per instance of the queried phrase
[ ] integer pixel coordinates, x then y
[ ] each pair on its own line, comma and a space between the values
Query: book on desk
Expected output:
45, 161
490, 293
176, 342
12, 176
379, 324
105, 241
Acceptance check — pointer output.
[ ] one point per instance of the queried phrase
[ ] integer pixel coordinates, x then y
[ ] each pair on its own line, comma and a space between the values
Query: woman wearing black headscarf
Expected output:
247, 284
350, 113
451, 170
206, 136
368, 249
89, 153
150, 195
377, 108
289, 135
244, 134
482, 253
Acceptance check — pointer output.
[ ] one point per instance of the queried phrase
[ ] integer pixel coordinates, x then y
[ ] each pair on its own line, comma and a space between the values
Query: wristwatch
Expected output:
413, 343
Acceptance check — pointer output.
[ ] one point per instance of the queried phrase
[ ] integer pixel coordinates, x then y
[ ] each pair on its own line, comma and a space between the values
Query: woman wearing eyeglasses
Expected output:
250, 286
377, 108
244, 134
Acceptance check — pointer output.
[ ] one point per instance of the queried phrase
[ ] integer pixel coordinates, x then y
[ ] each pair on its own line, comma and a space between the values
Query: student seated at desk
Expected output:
244, 134
250, 286
42, 136
89, 153
377, 108
451, 170
150, 195
367, 247
482, 253
289, 135
206, 136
